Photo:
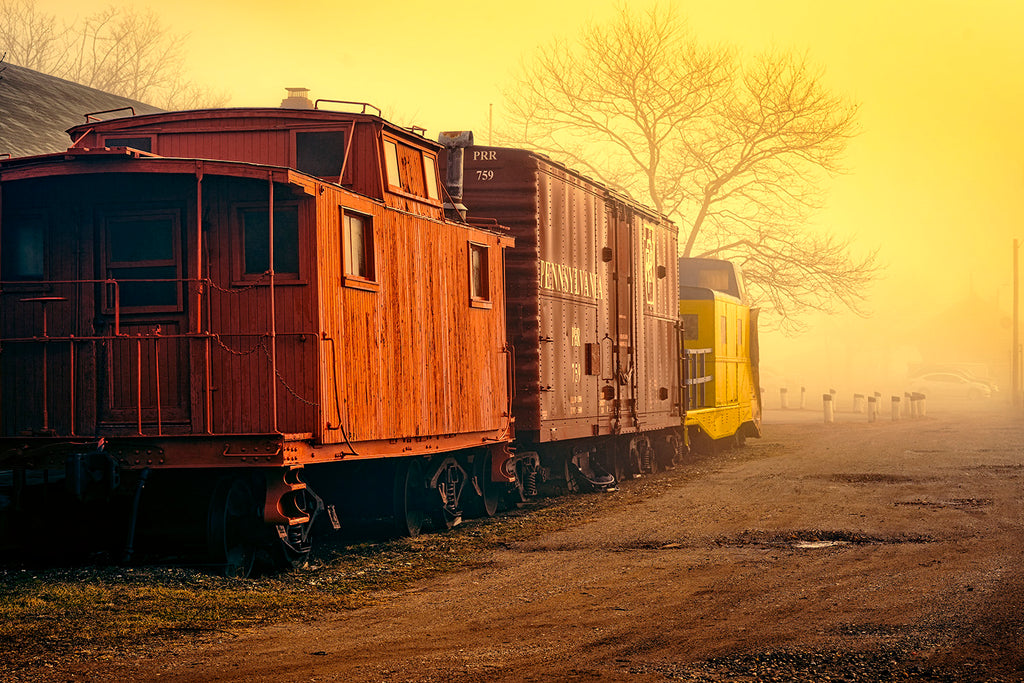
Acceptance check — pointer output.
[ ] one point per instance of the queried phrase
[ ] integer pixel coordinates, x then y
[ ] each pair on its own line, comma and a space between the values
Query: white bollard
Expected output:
895, 408
830, 415
784, 398
920, 405
872, 408
803, 398
858, 403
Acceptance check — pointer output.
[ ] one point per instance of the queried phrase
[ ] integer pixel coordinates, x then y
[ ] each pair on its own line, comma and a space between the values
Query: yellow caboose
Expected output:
721, 392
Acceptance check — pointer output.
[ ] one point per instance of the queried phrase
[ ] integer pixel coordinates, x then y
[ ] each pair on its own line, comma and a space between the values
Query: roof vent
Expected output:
298, 98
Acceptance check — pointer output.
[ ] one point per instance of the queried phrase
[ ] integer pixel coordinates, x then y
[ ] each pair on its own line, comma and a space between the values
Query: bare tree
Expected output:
736, 151
121, 50
30, 38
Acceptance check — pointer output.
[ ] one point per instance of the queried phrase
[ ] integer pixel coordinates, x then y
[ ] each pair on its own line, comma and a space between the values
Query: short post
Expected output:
784, 398
830, 415
908, 407
803, 398
895, 408
858, 403
872, 408
920, 405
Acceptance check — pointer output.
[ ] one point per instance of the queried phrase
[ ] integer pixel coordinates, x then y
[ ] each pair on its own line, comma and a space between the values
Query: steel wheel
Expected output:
409, 509
233, 527
485, 505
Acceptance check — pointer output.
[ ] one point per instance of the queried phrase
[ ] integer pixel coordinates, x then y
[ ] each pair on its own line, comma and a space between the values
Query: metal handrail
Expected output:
92, 115
364, 105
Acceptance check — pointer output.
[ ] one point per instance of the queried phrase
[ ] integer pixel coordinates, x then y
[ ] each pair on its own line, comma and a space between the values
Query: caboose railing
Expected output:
147, 372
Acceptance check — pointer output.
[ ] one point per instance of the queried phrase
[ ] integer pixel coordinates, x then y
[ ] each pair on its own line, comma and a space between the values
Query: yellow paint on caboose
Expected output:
723, 398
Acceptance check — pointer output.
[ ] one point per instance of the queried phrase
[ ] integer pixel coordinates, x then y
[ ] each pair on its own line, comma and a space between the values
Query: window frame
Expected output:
475, 300
239, 277
431, 181
107, 263
368, 282
402, 175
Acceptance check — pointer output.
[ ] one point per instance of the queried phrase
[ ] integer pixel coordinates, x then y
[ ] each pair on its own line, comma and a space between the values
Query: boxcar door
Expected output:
622, 310
143, 361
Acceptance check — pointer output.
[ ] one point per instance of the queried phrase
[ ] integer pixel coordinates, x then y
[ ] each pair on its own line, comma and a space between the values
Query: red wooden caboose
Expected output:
214, 318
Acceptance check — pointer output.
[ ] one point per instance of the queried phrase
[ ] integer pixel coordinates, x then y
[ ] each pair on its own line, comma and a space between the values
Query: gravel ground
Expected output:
887, 551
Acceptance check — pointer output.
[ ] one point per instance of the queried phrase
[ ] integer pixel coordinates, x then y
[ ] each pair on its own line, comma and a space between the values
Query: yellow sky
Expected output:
936, 179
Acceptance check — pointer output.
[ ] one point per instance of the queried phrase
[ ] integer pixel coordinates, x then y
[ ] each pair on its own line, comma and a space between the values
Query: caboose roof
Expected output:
247, 119
121, 160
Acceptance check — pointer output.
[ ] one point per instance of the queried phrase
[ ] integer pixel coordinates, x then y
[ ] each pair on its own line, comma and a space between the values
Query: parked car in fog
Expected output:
950, 386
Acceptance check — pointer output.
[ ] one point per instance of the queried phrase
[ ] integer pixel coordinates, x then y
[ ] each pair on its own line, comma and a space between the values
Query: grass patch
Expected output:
59, 615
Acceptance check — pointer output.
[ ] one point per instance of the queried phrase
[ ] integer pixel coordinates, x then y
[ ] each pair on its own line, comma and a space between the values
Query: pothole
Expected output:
960, 503
815, 539
871, 478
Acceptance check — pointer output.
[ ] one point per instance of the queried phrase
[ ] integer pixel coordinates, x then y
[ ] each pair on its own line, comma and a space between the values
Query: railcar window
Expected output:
391, 162
690, 328
141, 254
479, 285
256, 239
23, 248
142, 144
357, 245
320, 153
430, 176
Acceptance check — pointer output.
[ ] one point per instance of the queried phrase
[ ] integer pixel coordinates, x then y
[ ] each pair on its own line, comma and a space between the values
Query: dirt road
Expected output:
853, 551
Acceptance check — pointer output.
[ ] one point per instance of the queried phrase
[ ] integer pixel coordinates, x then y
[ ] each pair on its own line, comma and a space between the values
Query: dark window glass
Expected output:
140, 255
256, 235
320, 153
142, 144
148, 292
140, 239
22, 248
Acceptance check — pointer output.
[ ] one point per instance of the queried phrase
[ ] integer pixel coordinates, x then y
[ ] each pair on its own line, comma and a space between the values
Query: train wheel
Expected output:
233, 527
485, 503
629, 461
409, 504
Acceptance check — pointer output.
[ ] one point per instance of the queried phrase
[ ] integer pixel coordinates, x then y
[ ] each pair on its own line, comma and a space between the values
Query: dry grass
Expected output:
100, 612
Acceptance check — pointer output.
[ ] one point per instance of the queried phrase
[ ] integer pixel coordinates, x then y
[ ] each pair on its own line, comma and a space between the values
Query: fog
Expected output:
934, 179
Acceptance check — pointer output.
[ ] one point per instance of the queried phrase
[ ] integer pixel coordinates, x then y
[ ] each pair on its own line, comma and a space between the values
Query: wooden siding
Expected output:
412, 358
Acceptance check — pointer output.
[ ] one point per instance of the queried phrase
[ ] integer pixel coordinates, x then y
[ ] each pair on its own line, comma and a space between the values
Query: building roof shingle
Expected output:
36, 110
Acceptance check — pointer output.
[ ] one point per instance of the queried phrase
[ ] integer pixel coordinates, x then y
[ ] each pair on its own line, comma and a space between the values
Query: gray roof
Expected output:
37, 109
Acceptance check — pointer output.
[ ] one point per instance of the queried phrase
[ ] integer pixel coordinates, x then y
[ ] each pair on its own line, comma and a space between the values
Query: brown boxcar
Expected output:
210, 319
592, 317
